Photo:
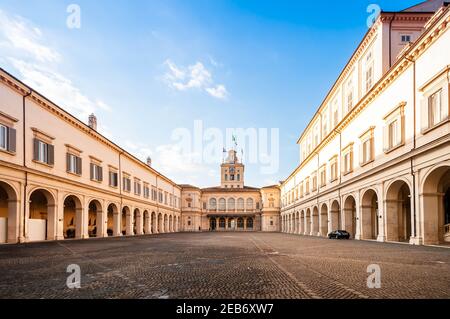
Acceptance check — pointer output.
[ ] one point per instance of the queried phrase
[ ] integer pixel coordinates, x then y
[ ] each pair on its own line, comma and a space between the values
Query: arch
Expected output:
250, 223
147, 223
95, 225
435, 205
399, 218
212, 203
369, 214
113, 220
231, 204
73, 217
323, 220
171, 223
126, 221
222, 204
302, 222
240, 204
334, 216
137, 222
212, 224
166, 224
315, 221
297, 222
240, 223
42, 214
160, 223
9, 214
222, 223
154, 223
349, 215
308, 222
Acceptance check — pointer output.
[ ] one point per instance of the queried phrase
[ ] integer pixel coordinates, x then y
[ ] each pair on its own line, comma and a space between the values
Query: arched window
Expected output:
222, 204
212, 203
250, 223
240, 204
240, 223
231, 204
250, 203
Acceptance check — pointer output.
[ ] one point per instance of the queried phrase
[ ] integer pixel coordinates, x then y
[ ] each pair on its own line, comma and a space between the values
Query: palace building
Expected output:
61, 179
232, 206
375, 157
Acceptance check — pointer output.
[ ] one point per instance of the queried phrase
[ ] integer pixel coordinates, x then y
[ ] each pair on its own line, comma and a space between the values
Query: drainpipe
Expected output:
22, 221
414, 229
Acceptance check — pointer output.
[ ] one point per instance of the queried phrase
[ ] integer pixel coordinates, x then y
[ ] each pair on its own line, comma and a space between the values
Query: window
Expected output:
249, 203
165, 198
222, 204
146, 191
113, 179
349, 96
73, 164
367, 151
154, 194
43, 152
436, 111
7, 139
96, 172
369, 72
213, 204
367, 146
127, 184
348, 162
301, 190
323, 176
325, 122
137, 188
393, 134
405, 38
334, 170
226, 177
314, 182
335, 113
307, 186
239, 177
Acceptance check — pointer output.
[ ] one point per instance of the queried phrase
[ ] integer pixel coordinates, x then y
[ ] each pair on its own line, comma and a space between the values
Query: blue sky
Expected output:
148, 68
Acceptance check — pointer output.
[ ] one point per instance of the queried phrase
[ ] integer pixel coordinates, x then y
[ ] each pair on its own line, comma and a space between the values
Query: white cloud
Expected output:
195, 76
219, 92
23, 45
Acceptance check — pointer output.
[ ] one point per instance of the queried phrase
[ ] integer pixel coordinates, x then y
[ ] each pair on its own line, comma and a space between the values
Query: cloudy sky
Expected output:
174, 79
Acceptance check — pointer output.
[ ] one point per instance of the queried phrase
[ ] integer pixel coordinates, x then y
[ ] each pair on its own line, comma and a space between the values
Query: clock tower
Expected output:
232, 172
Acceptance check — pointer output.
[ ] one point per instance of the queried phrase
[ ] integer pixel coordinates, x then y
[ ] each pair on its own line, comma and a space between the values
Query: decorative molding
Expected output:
41, 134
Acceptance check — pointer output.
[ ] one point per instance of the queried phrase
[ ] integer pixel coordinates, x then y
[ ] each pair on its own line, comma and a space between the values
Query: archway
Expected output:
398, 212
296, 223
147, 223
349, 216
250, 223
166, 223
308, 222
127, 222
138, 223
323, 220
73, 217
302, 222
160, 223
240, 223
154, 223
335, 217
435, 206
113, 228
369, 215
170, 224
42, 217
95, 227
222, 223
212, 224
315, 222
9, 214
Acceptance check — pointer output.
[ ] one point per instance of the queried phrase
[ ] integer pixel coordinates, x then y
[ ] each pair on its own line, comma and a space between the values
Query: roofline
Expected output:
383, 13
108, 141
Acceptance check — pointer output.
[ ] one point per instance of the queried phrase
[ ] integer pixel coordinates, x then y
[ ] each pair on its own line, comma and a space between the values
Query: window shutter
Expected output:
11, 140
36, 149
92, 167
68, 162
424, 112
79, 168
51, 154
100, 173
386, 137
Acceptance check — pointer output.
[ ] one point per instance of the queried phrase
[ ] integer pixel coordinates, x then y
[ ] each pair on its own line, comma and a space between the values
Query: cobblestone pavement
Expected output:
223, 265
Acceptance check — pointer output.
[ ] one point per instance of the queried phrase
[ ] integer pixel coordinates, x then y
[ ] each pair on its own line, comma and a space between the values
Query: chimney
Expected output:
93, 122
149, 161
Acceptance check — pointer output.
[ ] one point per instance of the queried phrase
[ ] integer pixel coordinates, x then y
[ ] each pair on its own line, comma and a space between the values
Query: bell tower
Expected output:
232, 172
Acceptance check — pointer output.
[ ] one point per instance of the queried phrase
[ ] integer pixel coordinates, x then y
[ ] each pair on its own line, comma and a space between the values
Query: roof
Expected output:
427, 6
231, 190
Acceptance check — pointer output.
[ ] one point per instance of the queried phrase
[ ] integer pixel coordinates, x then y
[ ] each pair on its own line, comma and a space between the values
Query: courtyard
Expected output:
223, 265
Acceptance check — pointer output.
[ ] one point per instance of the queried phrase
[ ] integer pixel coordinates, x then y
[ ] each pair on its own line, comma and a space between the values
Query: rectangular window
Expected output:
369, 78
335, 114
43, 152
333, 169
314, 182
348, 162
437, 112
367, 151
3, 137
146, 192
126, 184
393, 134
113, 179
96, 172
406, 38
137, 188
323, 177
73, 164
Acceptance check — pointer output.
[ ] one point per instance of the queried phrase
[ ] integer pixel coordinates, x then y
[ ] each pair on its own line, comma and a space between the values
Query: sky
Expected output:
174, 80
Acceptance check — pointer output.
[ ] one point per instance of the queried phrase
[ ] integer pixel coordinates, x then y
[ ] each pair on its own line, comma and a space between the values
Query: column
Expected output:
139, 224
102, 224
